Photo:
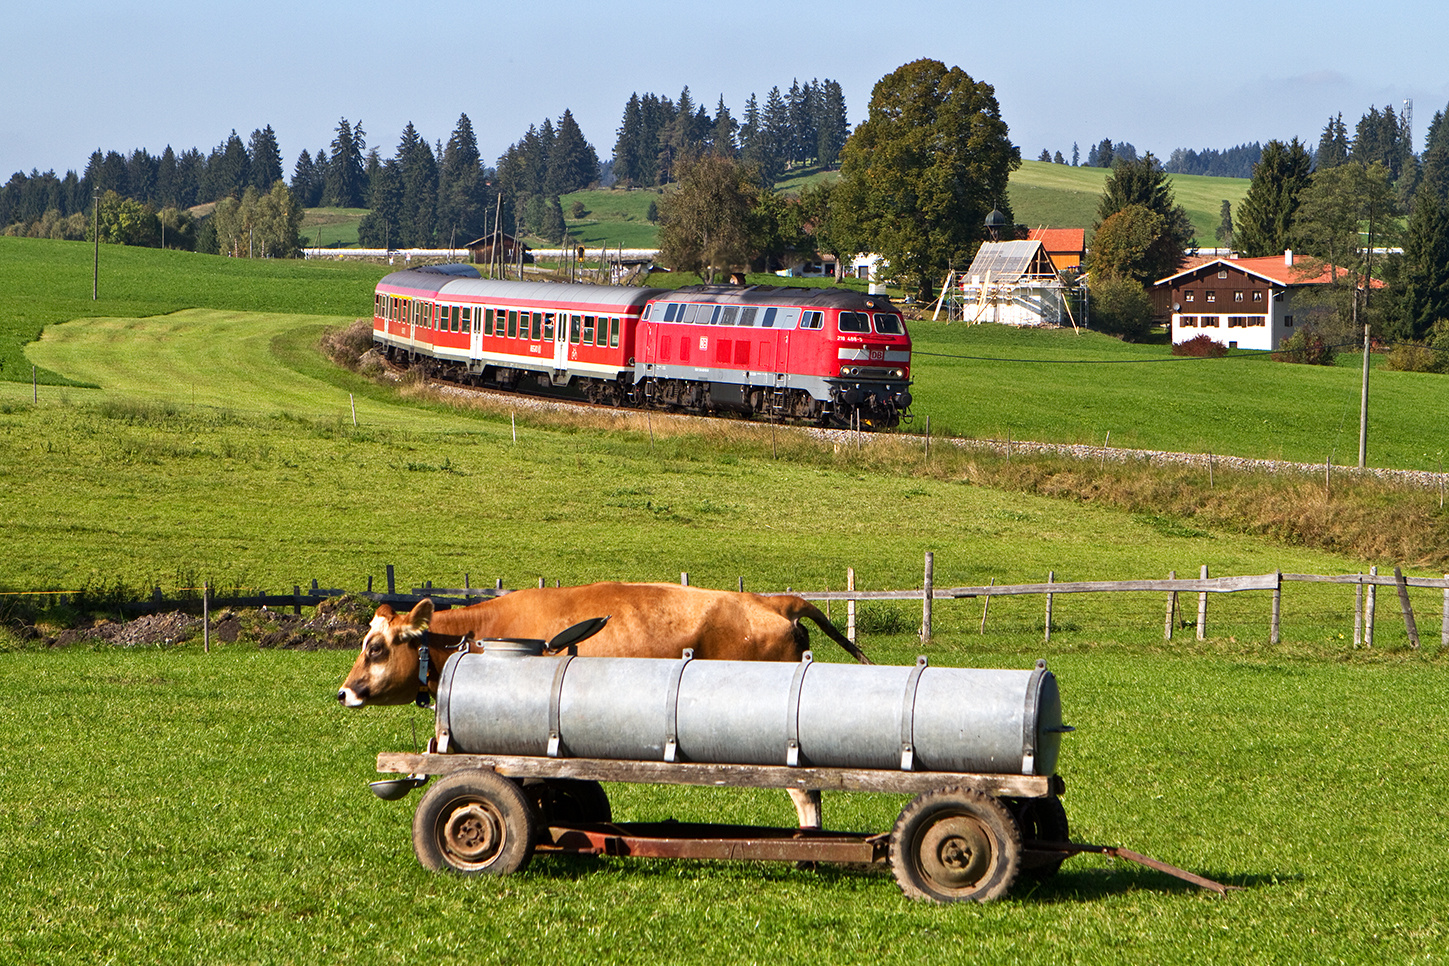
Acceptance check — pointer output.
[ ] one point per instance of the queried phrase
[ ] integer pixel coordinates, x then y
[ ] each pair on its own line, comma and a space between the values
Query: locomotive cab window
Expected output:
854, 322
813, 320
887, 324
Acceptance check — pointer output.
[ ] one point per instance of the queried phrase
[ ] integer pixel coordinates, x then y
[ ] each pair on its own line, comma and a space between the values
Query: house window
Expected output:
1211, 296
1188, 296
1223, 273
1209, 321
1287, 321
1258, 296
1237, 296
1257, 320
1188, 322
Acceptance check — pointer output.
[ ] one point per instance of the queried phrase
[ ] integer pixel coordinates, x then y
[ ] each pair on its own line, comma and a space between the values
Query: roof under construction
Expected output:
1009, 261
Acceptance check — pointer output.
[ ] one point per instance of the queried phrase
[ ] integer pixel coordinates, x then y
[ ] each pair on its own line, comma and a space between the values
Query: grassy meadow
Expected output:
160, 803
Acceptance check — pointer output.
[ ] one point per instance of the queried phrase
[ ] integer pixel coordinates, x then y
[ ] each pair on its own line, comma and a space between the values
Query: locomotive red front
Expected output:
827, 355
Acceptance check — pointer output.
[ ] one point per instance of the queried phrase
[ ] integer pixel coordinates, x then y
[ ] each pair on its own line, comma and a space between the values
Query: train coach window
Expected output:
513, 323
768, 322
536, 333
887, 324
588, 330
575, 323
487, 321
813, 320
472, 319
548, 326
614, 333
854, 322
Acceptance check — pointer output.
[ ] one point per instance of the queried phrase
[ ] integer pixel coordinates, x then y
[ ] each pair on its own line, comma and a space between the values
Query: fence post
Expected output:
986, 607
1051, 578
684, 579
296, 599
850, 606
1409, 624
390, 584
1171, 609
1358, 611
1202, 608
542, 583
926, 597
205, 617
1368, 619
1444, 621
1277, 606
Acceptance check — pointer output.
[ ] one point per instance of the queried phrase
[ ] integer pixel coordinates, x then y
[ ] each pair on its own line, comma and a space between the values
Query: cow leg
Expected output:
807, 806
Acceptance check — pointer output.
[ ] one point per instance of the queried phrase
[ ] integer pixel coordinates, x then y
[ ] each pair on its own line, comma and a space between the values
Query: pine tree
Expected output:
1225, 225
418, 173
573, 163
627, 166
1435, 162
344, 187
722, 131
266, 160
228, 171
1144, 183
1425, 268
1332, 145
1265, 218
833, 127
463, 197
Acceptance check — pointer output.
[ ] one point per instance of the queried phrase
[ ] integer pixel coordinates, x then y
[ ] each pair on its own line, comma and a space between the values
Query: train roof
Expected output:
468, 284
829, 297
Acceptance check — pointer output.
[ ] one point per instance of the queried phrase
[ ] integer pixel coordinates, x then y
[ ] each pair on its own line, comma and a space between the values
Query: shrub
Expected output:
1121, 307
577, 210
1306, 347
1203, 346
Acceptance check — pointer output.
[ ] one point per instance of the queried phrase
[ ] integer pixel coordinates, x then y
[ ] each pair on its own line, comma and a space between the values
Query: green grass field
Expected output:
159, 803
331, 227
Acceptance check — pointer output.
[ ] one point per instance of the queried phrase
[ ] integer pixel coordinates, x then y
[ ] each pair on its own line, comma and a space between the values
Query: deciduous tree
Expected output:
919, 176
705, 223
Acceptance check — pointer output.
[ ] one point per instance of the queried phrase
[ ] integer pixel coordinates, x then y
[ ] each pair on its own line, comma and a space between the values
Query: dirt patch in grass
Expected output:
334, 625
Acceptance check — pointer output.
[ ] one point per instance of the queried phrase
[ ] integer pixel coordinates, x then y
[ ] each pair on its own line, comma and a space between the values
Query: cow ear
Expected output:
422, 614
386, 612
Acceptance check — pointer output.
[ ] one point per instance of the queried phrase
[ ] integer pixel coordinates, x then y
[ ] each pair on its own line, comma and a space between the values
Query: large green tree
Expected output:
705, 223
1264, 224
1142, 182
1424, 269
919, 176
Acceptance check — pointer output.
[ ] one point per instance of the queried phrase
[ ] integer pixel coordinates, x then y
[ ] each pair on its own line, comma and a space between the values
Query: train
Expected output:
830, 356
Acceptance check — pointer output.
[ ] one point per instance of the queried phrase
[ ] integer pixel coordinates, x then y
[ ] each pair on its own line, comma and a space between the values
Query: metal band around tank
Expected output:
555, 739
671, 706
908, 715
792, 711
1029, 716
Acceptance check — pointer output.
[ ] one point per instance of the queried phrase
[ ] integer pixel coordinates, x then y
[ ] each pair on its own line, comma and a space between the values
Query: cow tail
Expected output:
800, 607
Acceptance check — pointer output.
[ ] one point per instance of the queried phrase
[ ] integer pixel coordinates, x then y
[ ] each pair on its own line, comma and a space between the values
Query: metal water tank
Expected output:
918, 718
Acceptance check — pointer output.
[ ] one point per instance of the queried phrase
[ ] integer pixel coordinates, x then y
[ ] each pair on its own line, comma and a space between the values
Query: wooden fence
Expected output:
1204, 586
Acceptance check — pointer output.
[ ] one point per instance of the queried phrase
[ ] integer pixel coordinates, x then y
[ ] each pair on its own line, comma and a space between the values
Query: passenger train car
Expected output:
821, 354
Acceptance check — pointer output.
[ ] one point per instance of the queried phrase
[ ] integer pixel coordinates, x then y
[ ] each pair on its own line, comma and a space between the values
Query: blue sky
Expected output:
79, 75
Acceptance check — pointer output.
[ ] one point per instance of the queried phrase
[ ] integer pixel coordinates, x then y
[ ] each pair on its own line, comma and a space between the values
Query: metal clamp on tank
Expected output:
792, 717
671, 707
908, 715
554, 732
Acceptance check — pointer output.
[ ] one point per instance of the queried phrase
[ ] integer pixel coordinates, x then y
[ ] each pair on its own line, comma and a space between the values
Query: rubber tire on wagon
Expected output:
1040, 820
476, 823
955, 845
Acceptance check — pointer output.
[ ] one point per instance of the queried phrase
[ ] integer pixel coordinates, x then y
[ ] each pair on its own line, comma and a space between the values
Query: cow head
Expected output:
386, 672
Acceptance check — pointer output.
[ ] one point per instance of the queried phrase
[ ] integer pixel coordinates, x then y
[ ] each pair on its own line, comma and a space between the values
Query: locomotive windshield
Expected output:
887, 324
854, 322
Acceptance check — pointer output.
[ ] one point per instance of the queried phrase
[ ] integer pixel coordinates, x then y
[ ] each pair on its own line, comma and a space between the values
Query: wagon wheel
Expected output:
474, 822
568, 801
954, 845
1041, 820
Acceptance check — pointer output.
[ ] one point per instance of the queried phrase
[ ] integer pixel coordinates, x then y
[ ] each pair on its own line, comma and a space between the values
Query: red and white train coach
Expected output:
819, 354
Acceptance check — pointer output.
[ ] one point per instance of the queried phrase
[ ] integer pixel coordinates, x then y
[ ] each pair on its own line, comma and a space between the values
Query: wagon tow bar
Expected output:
1068, 849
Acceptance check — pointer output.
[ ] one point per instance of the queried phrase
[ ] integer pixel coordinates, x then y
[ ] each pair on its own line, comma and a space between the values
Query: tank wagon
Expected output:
832, 356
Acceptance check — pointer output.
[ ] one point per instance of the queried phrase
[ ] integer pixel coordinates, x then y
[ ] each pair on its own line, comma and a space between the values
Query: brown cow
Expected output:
645, 620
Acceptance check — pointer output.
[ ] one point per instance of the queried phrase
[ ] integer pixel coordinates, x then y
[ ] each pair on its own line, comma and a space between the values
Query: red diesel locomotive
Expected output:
822, 354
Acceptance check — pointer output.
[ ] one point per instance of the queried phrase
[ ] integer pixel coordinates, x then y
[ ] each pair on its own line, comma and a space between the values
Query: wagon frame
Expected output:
965, 836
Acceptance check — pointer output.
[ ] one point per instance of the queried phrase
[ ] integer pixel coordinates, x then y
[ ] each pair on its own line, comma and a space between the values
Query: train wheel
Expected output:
475, 823
955, 845
568, 801
1041, 820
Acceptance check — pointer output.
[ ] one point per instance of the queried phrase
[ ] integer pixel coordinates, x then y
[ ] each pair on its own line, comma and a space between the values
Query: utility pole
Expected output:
96, 268
1363, 403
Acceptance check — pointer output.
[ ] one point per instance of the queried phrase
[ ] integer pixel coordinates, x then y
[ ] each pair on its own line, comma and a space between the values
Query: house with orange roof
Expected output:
1244, 303
1066, 246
